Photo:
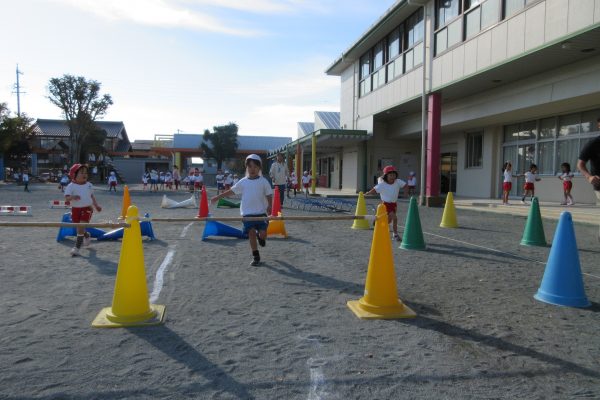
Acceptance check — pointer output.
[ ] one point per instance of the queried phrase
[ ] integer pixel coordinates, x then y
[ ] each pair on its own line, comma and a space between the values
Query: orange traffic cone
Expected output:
381, 294
130, 305
126, 202
276, 209
203, 209
277, 227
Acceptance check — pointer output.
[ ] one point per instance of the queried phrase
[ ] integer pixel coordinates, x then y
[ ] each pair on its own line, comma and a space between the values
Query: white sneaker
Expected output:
74, 252
571, 203
87, 240
523, 202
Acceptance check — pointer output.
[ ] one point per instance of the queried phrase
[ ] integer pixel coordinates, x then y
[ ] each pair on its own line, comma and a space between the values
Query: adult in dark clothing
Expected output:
591, 153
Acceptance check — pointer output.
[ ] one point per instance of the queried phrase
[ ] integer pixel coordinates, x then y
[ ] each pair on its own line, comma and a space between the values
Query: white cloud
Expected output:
264, 6
161, 13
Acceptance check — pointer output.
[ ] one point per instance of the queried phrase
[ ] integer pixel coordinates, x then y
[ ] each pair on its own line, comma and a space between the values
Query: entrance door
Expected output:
448, 172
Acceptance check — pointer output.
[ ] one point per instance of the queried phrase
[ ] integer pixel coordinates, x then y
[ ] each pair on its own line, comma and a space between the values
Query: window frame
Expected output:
471, 153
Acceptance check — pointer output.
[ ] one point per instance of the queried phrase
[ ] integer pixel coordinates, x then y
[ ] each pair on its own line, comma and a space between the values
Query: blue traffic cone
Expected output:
63, 232
562, 283
146, 228
214, 228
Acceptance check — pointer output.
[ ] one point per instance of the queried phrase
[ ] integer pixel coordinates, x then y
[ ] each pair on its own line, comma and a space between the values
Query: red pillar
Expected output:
434, 117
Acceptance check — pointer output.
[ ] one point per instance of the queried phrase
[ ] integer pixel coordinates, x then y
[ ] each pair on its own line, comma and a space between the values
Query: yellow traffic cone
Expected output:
381, 294
361, 210
277, 227
130, 305
126, 202
449, 216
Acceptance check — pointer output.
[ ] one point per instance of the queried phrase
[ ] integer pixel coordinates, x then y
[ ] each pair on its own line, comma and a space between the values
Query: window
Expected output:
445, 11
365, 74
413, 39
474, 150
513, 6
480, 15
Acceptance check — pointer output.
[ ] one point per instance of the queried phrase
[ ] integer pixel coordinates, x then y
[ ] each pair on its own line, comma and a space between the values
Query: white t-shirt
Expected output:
197, 178
412, 181
84, 191
278, 173
305, 179
389, 193
228, 180
112, 178
567, 176
254, 195
530, 177
25, 178
507, 176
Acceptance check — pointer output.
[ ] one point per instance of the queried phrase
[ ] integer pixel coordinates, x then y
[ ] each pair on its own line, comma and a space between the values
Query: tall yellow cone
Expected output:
126, 202
381, 294
277, 227
130, 305
449, 216
361, 210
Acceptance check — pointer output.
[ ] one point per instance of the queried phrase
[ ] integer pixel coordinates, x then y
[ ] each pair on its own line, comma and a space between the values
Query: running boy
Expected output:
112, 181
567, 177
257, 197
80, 193
388, 188
530, 179
305, 183
412, 184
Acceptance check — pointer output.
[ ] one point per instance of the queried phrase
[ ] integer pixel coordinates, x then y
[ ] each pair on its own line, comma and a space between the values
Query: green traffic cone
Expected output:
413, 234
226, 203
533, 235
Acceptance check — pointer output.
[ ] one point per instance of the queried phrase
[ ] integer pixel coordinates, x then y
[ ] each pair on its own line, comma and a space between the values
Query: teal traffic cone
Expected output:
533, 235
562, 283
224, 203
413, 234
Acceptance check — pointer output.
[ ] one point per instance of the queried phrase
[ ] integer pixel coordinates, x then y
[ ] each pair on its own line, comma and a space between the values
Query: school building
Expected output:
451, 89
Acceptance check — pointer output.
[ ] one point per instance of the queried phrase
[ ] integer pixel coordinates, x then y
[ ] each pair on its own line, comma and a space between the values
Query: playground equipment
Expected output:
60, 204
15, 210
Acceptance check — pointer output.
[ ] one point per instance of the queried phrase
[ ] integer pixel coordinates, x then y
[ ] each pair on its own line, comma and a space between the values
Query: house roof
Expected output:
138, 145
327, 120
59, 128
266, 143
305, 128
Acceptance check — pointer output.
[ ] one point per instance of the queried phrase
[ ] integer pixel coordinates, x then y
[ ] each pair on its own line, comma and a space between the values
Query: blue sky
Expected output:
185, 64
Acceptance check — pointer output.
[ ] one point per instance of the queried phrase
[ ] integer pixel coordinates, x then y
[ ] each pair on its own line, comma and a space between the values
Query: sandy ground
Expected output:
283, 330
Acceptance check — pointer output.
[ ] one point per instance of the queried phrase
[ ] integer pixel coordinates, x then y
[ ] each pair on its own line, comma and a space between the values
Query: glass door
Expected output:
448, 172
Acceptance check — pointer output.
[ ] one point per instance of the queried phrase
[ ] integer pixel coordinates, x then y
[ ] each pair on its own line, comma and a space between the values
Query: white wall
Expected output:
347, 98
350, 172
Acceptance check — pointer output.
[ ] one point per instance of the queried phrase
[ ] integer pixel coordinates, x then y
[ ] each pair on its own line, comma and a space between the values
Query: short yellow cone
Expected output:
126, 202
130, 305
277, 228
361, 210
381, 294
449, 216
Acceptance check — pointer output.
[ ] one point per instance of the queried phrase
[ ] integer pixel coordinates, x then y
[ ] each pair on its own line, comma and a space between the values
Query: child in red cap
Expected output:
388, 188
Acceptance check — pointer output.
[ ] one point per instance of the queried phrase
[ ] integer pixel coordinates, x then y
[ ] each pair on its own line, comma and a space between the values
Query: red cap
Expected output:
74, 169
389, 169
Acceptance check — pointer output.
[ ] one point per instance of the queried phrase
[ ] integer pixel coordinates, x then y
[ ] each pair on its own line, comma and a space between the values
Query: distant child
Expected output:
161, 180
25, 179
257, 197
227, 181
412, 184
80, 193
389, 188
236, 179
507, 182
292, 183
145, 179
305, 182
153, 180
169, 180
198, 179
176, 177
112, 181
64, 181
530, 179
567, 177
219, 179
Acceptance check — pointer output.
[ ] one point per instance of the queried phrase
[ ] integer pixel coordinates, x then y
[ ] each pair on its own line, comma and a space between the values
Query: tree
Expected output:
16, 134
223, 143
81, 104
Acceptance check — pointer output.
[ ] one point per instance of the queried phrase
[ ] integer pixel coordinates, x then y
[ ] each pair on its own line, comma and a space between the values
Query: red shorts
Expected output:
567, 186
113, 184
306, 185
198, 185
390, 207
528, 186
507, 186
81, 214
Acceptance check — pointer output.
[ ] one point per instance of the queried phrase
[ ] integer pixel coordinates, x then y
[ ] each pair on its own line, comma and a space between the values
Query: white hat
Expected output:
412, 173
112, 172
253, 157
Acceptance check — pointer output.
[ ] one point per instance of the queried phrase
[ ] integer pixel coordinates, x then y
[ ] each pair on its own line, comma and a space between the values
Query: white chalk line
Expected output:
185, 229
317, 380
159, 279
499, 251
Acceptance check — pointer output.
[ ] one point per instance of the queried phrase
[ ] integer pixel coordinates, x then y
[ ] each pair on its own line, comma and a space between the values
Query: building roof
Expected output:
141, 145
266, 143
397, 13
327, 120
305, 128
59, 128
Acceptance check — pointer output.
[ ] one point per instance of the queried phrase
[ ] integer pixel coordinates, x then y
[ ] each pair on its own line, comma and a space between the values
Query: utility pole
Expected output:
18, 92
